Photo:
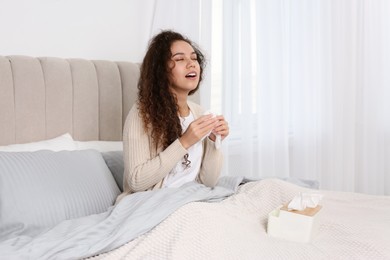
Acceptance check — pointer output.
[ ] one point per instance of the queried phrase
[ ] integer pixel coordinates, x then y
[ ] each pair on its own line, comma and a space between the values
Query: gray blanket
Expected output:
135, 215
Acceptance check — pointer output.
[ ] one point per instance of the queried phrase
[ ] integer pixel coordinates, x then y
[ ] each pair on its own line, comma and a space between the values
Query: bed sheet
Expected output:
352, 226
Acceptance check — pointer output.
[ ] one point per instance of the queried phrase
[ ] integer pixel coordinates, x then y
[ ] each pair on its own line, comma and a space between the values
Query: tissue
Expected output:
218, 140
303, 200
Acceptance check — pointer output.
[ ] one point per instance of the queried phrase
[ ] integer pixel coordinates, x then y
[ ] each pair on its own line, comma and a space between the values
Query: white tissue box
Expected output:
294, 225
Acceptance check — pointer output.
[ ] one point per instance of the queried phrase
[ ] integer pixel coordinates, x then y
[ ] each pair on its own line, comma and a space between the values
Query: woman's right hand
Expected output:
198, 129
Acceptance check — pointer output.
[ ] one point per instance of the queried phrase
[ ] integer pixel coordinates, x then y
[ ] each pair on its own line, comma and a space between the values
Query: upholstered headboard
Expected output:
41, 98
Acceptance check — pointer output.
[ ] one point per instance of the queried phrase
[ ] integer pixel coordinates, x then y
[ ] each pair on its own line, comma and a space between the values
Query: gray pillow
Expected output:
114, 161
40, 189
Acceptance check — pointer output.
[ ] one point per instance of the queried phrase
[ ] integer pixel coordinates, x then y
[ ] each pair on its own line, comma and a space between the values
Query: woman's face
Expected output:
185, 70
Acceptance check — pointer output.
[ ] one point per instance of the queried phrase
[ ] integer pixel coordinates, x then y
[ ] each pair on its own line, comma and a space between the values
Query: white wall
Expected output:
91, 29
116, 30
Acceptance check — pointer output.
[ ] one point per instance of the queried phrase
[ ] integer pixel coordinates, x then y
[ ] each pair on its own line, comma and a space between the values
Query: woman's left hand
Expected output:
222, 128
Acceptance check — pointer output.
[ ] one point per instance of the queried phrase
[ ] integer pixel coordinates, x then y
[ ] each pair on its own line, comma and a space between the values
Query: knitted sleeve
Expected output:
145, 166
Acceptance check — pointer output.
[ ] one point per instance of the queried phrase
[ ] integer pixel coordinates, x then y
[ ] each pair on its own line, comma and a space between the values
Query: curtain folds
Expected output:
306, 89
304, 85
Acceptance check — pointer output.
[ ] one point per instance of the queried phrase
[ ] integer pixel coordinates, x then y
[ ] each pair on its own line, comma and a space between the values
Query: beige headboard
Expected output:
41, 98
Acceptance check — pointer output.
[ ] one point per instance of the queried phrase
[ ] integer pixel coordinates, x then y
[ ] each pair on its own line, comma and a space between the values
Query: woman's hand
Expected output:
198, 129
221, 128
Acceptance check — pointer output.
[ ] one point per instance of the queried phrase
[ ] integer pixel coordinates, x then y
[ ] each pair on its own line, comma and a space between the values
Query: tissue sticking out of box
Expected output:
303, 200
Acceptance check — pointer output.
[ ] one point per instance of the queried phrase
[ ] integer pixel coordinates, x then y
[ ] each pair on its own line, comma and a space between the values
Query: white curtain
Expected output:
303, 83
306, 89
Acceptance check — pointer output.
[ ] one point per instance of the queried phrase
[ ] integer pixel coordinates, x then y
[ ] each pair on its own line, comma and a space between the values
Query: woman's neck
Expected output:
184, 110
181, 98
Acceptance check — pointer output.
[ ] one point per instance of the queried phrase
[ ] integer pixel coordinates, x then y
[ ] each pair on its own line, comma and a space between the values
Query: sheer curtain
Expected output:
306, 90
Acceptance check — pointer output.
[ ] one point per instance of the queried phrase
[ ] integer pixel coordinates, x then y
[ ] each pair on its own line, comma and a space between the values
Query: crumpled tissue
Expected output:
303, 200
218, 139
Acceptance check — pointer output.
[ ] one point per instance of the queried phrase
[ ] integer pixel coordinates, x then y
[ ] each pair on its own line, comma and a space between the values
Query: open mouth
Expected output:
191, 75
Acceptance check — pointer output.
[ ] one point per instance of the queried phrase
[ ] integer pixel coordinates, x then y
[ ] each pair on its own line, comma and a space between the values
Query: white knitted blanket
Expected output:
353, 226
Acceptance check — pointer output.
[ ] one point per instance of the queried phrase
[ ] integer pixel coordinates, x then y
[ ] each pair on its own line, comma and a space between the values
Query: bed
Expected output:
61, 170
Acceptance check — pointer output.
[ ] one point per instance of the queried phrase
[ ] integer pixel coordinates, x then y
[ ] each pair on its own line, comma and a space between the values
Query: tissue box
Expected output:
294, 225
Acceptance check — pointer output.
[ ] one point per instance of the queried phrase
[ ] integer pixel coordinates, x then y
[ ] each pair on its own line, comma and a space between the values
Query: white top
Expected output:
180, 174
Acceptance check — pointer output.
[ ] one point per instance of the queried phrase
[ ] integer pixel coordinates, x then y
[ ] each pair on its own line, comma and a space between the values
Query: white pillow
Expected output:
63, 142
101, 146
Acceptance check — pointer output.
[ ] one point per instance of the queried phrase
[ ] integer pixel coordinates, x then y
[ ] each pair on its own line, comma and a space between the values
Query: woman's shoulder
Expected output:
134, 108
133, 120
133, 113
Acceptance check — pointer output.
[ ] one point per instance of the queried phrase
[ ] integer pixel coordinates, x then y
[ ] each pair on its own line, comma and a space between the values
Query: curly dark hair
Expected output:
157, 104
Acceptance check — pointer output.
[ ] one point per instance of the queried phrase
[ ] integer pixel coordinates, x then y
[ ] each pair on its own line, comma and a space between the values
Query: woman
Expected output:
167, 140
